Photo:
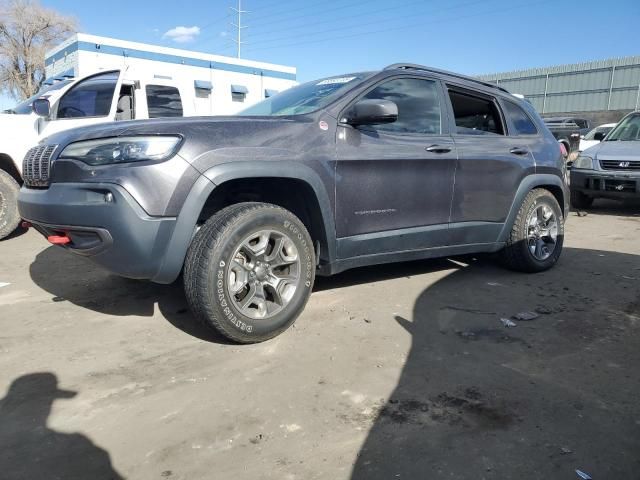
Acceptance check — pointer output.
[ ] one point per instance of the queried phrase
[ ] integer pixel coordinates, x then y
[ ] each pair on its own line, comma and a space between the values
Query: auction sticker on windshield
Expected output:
333, 81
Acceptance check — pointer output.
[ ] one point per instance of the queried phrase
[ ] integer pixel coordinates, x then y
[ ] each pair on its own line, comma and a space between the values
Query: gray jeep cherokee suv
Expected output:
401, 164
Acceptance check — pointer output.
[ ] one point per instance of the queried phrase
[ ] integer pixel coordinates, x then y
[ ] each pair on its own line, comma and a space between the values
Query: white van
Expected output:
113, 95
102, 97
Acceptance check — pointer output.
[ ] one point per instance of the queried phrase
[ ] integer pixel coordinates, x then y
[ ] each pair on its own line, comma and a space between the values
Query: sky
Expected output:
330, 37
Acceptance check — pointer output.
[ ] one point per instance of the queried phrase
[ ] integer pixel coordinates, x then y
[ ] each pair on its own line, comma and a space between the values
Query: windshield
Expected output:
592, 133
305, 98
628, 130
24, 108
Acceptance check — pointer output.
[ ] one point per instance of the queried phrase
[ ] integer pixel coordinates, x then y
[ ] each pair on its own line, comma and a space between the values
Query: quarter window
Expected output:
163, 101
90, 98
475, 115
520, 120
418, 105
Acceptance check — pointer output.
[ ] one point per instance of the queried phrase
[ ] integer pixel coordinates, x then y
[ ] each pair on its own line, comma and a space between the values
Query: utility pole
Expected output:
239, 25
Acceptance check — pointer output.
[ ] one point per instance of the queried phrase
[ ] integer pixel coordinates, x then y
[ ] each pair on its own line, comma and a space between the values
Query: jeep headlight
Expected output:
107, 151
583, 162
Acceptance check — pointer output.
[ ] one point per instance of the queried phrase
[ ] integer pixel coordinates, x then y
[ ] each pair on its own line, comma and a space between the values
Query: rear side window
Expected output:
163, 101
418, 105
90, 98
520, 120
475, 115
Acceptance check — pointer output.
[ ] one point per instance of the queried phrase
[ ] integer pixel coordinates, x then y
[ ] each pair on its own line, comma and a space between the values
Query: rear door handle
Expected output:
438, 149
519, 151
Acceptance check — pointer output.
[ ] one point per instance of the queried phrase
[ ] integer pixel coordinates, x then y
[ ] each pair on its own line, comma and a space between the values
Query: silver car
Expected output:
610, 169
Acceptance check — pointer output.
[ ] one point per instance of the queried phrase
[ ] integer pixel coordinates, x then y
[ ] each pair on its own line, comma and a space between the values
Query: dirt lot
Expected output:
400, 371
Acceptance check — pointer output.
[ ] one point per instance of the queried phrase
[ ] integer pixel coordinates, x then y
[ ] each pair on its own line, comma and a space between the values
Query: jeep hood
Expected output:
166, 126
626, 151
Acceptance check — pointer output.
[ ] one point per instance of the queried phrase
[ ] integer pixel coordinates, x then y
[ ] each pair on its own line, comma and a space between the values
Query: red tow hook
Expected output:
59, 239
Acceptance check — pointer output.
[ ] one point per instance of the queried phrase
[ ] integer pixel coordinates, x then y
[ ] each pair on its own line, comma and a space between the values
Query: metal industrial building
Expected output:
601, 90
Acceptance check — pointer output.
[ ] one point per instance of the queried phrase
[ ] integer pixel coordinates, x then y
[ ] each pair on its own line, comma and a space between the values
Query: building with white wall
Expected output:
218, 84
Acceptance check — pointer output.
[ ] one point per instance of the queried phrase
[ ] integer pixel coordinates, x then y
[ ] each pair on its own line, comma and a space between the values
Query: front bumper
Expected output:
104, 223
609, 184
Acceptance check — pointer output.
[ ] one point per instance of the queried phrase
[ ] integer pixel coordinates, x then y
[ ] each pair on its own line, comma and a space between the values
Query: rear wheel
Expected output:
536, 238
249, 271
580, 200
9, 217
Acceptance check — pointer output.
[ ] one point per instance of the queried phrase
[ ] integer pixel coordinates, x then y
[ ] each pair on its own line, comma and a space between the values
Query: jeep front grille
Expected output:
619, 165
36, 165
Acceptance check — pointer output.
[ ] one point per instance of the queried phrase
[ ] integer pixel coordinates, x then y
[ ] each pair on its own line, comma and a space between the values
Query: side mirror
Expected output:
41, 107
599, 136
372, 112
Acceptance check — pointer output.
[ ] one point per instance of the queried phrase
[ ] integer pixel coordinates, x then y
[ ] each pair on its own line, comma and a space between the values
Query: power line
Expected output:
343, 5
403, 27
373, 22
286, 16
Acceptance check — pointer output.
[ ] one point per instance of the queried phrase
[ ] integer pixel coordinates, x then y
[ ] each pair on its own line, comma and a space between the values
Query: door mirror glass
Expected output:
599, 136
41, 107
373, 112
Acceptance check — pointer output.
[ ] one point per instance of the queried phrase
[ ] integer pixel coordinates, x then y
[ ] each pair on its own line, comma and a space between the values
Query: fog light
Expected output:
108, 197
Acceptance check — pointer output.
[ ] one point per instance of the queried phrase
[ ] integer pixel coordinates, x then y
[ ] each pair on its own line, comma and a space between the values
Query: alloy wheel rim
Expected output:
542, 232
263, 274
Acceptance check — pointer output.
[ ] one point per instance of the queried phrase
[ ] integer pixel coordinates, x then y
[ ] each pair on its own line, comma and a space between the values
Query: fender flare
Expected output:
527, 184
187, 219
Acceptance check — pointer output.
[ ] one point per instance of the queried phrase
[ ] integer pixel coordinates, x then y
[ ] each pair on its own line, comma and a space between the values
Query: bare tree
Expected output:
27, 31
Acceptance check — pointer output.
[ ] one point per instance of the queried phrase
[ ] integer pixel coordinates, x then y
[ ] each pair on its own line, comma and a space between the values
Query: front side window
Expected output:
520, 120
24, 107
89, 98
475, 115
580, 123
418, 106
592, 133
163, 101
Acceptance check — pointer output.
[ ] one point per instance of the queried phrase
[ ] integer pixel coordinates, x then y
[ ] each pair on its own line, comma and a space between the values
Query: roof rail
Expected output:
413, 66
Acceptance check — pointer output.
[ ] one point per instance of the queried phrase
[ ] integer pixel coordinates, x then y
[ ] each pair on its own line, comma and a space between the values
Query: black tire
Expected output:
206, 271
9, 216
516, 254
579, 200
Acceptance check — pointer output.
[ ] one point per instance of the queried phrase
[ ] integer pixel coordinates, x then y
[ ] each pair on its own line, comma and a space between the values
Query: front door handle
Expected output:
519, 151
438, 149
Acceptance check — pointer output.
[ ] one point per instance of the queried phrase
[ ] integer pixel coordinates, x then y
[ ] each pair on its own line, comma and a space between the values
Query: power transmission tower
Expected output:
239, 26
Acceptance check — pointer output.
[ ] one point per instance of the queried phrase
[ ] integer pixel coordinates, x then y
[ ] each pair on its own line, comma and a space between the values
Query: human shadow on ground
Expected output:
478, 400
30, 450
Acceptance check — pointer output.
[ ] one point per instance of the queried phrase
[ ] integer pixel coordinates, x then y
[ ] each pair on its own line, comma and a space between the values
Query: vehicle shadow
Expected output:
602, 206
31, 450
19, 231
478, 400
75, 279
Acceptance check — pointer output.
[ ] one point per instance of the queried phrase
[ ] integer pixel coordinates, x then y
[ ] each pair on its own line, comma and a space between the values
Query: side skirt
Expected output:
405, 256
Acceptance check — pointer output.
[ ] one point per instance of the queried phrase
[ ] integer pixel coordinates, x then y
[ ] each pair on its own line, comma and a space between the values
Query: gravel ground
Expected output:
398, 371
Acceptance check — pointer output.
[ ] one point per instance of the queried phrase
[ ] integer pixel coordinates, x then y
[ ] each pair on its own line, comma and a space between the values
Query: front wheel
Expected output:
537, 235
249, 271
9, 216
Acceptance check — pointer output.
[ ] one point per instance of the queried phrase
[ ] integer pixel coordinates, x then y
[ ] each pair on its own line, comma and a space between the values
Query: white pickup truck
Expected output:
70, 103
